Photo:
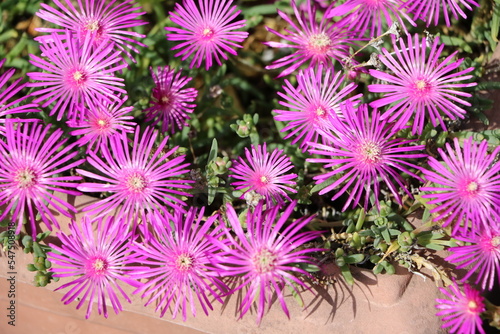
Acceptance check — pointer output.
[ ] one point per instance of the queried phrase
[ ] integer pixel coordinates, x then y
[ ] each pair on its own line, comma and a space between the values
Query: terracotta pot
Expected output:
401, 304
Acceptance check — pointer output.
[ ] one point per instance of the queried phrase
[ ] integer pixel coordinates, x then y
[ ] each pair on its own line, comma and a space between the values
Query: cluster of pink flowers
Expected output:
173, 254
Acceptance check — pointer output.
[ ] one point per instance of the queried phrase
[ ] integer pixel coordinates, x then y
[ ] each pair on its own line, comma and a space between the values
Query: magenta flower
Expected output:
97, 259
361, 154
105, 21
206, 31
466, 185
481, 256
370, 15
7, 107
420, 85
264, 257
170, 100
462, 310
31, 164
265, 174
76, 74
429, 10
315, 43
100, 122
177, 265
147, 178
311, 103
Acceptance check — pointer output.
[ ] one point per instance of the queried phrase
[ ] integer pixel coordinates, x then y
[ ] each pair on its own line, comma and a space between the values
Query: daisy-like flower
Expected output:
177, 264
97, 259
7, 106
363, 152
421, 85
31, 163
315, 43
170, 100
462, 310
371, 15
102, 121
76, 74
144, 179
265, 174
264, 257
206, 31
482, 255
429, 10
466, 186
105, 21
316, 96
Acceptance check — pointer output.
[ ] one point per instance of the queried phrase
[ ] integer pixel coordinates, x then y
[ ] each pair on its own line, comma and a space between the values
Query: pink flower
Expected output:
317, 95
315, 43
361, 153
31, 164
76, 74
462, 310
97, 259
177, 264
105, 21
265, 256
10, 92
371, 15
466, 185
100, 122
265, 174
141, 180
421, 84
481, 256
428, 10
206, 31
170, 100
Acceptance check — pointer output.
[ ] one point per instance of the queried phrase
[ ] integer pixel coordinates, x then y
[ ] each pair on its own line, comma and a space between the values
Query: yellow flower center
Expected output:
320, 40
92, 26
420, 84
25, 178
472, 187
495, 242
320, 111
184, 262
264, 261
370, 152
207, 33
136, 183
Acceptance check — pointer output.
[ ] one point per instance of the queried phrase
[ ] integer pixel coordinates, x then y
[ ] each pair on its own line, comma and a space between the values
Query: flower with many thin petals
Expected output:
206, 31
106, 22
265, 256
97, 259
170, 100
31, 163
316, 96
462, 310
102, 121
144, 179
7, 106
76, 74
429, 10
177, 264
482, 254
421, 85
264, 173
363, 152
315, 43
466, 186
371, 15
